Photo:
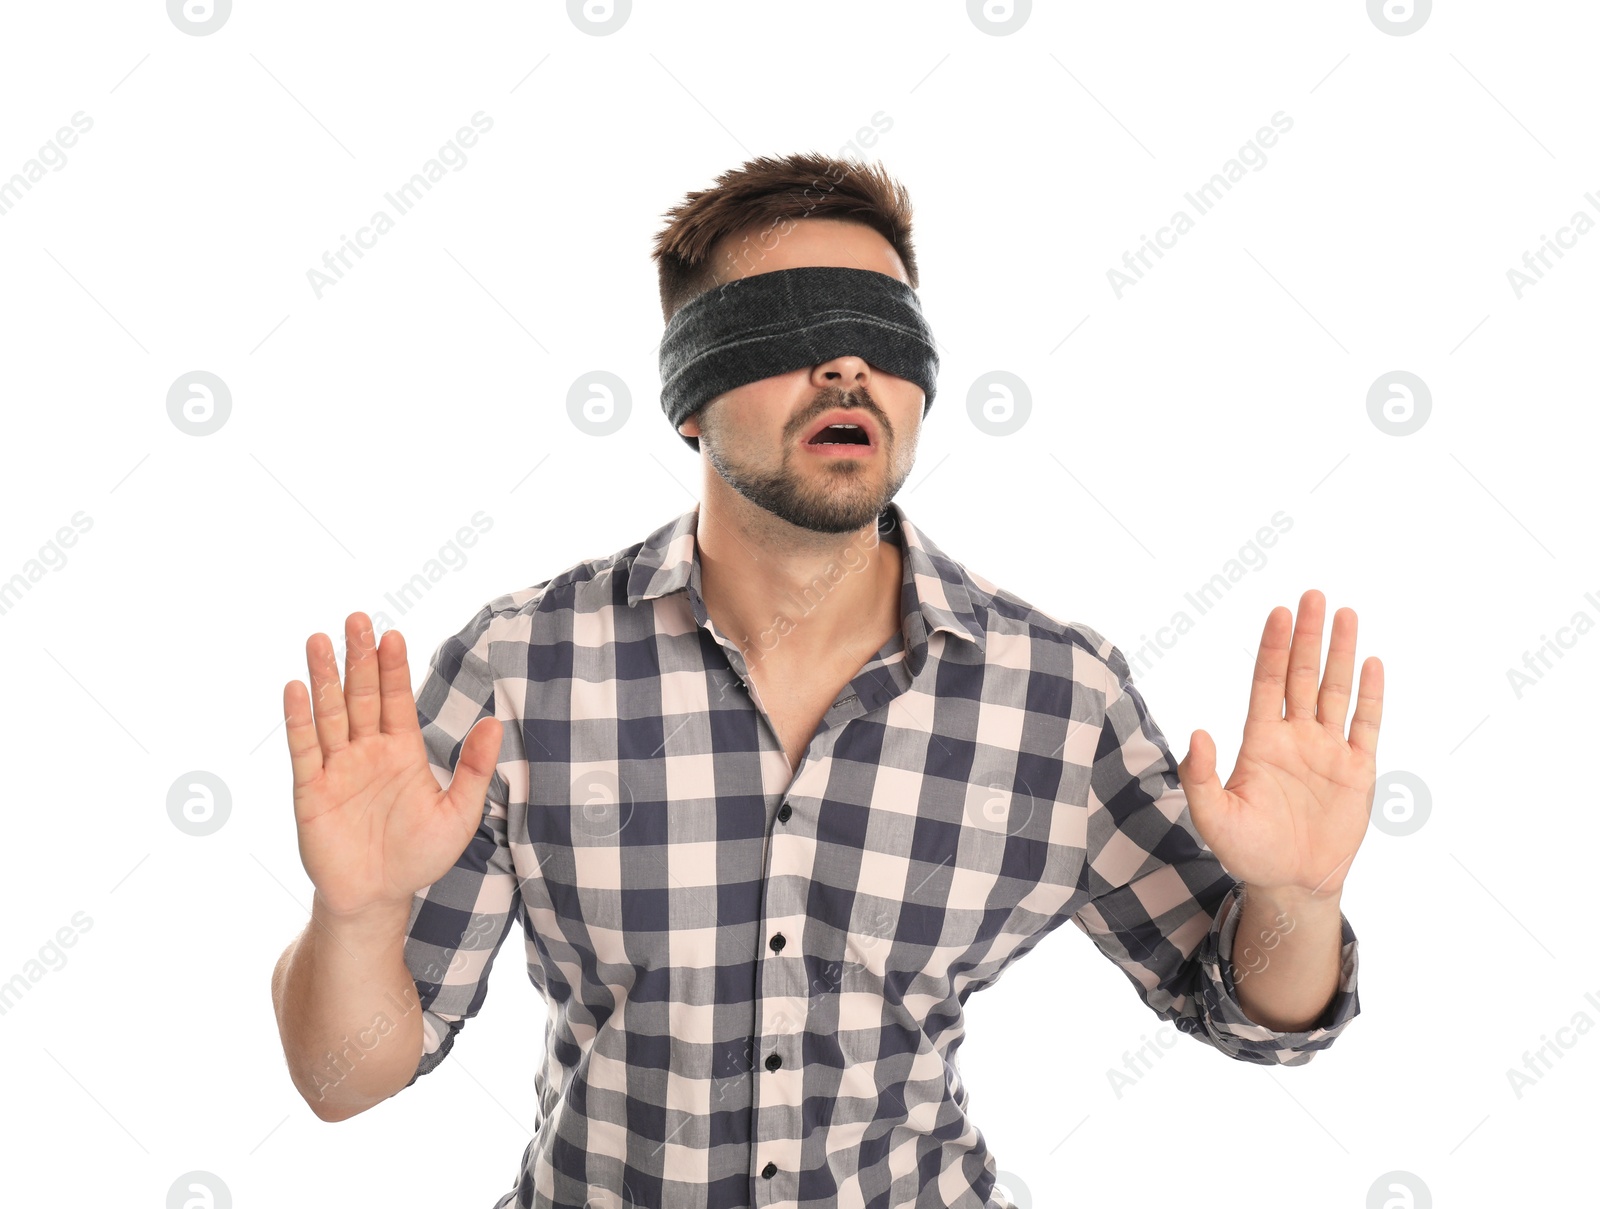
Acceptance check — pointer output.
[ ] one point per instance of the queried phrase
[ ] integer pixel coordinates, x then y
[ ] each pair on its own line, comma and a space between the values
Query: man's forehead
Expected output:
795, 243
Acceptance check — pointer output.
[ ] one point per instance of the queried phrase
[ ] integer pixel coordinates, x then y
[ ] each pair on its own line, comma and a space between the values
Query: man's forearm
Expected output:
347, 1011
1286, 957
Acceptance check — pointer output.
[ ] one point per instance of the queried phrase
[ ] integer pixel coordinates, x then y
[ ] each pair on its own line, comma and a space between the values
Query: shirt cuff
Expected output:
1232, 1029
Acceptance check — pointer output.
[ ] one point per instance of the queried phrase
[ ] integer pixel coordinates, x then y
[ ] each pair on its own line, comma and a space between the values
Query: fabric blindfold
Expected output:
774, 323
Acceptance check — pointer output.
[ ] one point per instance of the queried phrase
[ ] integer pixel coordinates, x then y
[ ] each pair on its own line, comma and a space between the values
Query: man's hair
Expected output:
765, 192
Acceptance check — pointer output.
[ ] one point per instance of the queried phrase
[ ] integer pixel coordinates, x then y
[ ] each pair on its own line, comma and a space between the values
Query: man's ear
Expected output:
690, 426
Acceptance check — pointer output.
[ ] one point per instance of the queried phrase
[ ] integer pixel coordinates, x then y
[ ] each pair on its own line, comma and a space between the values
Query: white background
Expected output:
431, 383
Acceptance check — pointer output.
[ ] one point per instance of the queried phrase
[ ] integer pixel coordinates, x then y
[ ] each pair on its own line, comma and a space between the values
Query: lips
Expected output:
842, 416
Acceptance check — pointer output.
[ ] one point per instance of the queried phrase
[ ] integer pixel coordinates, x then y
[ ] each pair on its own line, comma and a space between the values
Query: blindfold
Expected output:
774, 323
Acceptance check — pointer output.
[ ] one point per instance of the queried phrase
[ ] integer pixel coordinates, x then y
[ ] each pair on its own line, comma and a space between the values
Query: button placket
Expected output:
780, 1087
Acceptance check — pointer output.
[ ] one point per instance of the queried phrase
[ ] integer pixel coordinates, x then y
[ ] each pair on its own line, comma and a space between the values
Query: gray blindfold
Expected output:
774, 323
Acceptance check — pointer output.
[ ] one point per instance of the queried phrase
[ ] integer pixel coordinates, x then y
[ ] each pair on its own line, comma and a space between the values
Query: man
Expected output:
773, 791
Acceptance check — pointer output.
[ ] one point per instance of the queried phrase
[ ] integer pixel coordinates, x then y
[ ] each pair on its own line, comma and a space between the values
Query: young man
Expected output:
773, 791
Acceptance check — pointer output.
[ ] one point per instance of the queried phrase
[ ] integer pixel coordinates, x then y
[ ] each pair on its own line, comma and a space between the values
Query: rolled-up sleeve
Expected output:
1159, 903
459, 922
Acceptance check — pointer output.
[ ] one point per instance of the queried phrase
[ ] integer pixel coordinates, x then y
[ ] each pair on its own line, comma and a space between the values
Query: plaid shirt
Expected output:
755, 978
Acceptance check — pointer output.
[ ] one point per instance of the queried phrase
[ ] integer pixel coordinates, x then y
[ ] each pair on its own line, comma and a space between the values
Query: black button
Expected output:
777, 943
770, 1170
784, 812
774, 1062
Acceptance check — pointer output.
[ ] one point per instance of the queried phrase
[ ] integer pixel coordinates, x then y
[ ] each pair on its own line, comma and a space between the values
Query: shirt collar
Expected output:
938, 589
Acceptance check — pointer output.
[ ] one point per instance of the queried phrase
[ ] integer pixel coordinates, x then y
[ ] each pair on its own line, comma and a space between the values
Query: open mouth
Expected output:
841, 434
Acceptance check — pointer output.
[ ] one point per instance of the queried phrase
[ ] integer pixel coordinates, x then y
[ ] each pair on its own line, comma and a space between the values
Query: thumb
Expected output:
480, 752
1198, 774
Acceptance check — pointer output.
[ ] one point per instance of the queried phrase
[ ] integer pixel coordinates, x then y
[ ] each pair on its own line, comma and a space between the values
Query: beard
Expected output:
841, 495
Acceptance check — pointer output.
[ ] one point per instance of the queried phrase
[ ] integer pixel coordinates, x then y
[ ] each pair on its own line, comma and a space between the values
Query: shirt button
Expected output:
770, 1170
784, 812
774, 1062
777, 943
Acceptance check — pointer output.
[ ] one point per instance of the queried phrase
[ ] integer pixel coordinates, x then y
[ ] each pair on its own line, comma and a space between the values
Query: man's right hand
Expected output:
374, 826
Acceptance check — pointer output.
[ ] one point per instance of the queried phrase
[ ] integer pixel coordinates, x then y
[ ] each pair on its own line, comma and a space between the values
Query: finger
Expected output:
305, 753
1305, 656
480, 752
327, 697
1202, 788
360, 676
1369, 708
1266, 686
1333, 701
394, 678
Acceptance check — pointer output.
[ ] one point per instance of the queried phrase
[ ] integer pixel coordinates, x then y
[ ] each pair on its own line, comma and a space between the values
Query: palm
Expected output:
1295, 809
374, 822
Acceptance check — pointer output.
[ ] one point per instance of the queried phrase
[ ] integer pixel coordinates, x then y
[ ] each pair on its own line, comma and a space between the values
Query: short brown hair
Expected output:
767, 190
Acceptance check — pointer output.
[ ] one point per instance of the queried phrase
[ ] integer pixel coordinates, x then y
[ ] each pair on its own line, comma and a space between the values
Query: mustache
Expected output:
855, 398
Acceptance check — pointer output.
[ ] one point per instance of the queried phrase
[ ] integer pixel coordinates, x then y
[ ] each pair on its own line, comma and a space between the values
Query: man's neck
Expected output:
797, 599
